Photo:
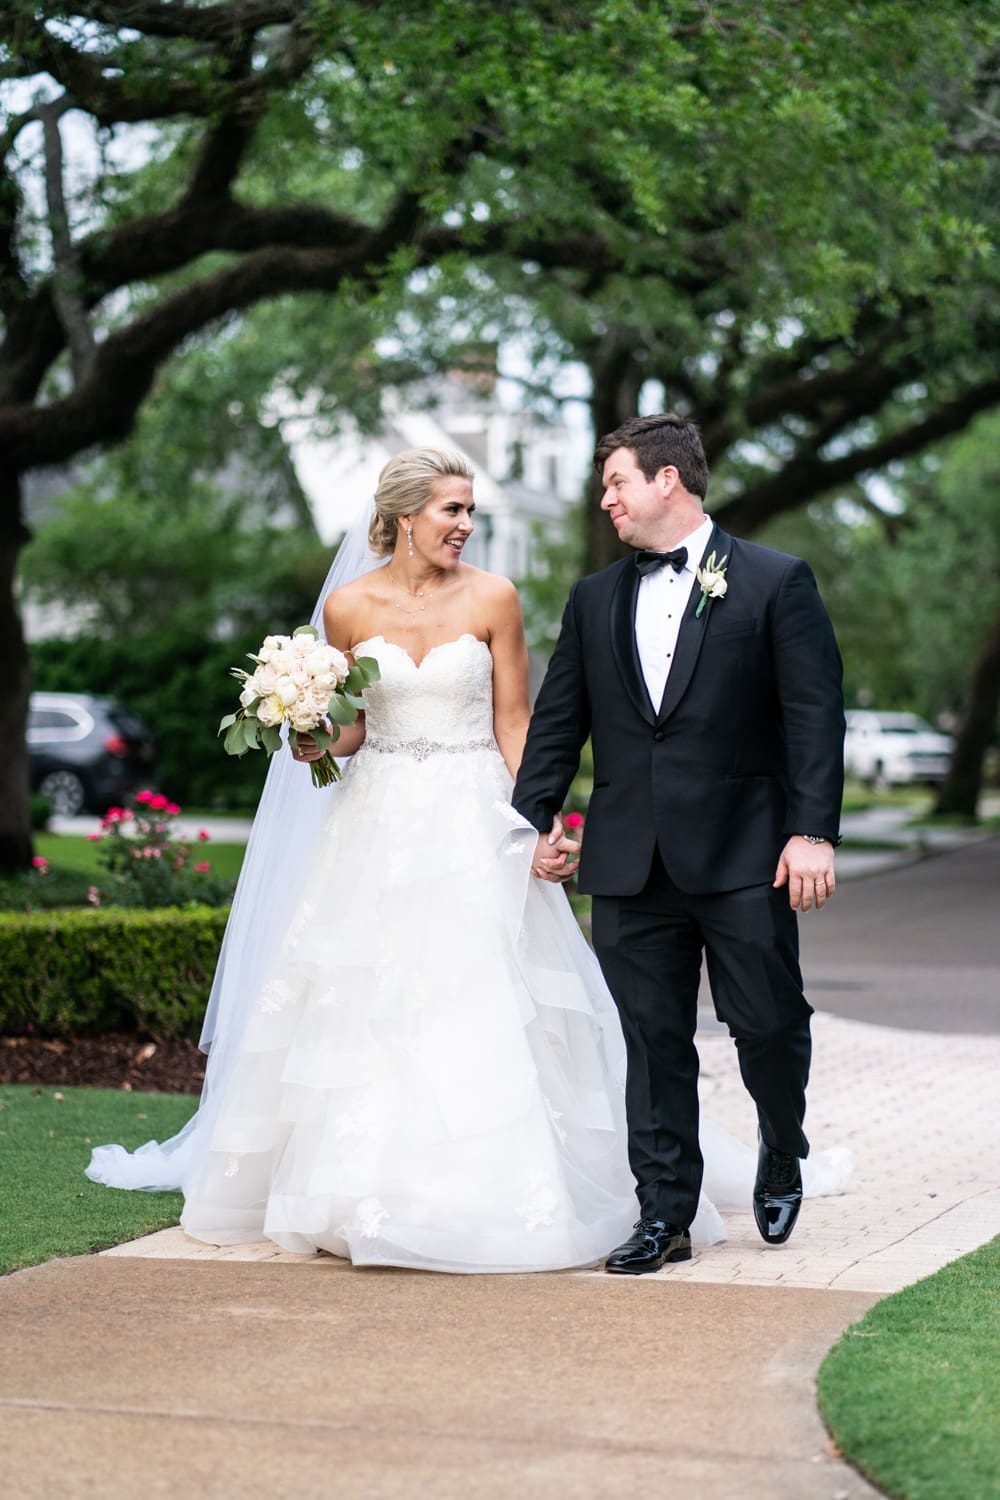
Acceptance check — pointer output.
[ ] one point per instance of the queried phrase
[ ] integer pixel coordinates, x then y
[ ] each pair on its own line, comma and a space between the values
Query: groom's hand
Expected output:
808, 871
556, 856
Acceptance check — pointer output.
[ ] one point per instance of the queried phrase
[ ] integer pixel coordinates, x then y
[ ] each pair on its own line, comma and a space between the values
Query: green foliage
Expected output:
50, 1207
912, 1392
912, 595
41, 812
31, 890
108, 970
180, 684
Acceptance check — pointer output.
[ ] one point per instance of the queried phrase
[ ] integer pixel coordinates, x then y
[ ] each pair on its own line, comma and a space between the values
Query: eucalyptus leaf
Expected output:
270, 738
225, 723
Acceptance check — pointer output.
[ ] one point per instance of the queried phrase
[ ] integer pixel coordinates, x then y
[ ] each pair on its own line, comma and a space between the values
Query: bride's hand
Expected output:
556, 856
307, 749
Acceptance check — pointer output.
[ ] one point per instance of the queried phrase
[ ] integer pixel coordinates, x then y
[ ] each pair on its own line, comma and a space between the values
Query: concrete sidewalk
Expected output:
169, 1368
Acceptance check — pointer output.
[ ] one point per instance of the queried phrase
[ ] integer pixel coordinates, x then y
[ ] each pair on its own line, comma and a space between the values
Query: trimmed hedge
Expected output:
70, 972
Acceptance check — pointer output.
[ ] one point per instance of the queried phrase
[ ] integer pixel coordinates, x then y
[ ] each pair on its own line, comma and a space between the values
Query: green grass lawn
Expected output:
912, 1392
49, 1207
73, 851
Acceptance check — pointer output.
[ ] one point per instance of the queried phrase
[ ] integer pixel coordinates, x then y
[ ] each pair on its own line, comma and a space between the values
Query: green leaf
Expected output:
306, 630
225, 723
270, 736
235, 740
251, 730
341, 712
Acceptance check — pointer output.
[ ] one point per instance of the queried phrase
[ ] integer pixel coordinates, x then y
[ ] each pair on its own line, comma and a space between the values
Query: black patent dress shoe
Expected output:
654, 1244
777, 1194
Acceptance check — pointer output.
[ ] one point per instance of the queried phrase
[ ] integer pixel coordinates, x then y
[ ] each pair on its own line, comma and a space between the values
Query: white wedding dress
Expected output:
432, 1075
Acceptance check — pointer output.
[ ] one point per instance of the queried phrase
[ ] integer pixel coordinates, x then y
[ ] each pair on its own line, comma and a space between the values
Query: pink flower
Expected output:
203, 835
573, 820
114, 815
158, 803
179, 862
171, 809
94, 838
203, 868
94, 896
40, 864
145, 796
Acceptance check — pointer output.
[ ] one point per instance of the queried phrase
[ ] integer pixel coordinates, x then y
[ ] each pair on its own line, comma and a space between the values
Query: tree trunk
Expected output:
959, 794
615, 386
15, 809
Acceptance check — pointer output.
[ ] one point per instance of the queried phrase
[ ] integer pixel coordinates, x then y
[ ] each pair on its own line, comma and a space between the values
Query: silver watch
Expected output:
814, 838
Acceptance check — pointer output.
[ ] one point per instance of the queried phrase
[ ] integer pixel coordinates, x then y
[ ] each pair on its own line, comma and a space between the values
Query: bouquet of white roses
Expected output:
300, 682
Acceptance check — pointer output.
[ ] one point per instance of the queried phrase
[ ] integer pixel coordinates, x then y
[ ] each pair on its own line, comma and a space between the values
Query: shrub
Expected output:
147, 865
41, 812
108, 970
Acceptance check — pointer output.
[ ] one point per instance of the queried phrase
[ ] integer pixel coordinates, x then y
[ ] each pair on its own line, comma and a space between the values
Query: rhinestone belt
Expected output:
420, 749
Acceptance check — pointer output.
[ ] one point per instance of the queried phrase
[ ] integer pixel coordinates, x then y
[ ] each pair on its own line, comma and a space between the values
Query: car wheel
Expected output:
65, 791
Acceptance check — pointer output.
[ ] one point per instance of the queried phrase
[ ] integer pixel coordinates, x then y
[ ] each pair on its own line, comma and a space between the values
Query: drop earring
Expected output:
409, 540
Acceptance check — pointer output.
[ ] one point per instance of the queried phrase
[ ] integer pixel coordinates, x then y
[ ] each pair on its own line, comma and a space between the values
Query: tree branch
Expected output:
807, 475
66, 276
208, 23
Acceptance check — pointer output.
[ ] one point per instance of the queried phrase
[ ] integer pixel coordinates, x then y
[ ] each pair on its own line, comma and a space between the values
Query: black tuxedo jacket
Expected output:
745, 749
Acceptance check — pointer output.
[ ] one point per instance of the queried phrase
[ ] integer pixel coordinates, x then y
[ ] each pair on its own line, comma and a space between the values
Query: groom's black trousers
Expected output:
650, 949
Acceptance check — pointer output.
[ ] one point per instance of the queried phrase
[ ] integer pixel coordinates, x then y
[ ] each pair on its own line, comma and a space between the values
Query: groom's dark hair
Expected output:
657, 441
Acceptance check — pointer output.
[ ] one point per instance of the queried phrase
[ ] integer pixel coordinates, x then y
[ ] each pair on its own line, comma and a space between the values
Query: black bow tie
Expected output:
648, 562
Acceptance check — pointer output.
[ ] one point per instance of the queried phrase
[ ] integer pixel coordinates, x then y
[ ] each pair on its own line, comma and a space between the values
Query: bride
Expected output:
413, 1057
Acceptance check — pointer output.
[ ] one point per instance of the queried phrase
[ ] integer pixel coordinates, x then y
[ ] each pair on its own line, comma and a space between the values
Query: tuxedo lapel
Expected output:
692, 631
623, 644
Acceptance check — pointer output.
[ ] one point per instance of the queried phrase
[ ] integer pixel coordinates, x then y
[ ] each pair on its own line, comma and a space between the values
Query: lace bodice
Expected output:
448, 698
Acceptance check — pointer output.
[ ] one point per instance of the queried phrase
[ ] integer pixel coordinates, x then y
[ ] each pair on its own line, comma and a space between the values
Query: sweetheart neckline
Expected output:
466, 635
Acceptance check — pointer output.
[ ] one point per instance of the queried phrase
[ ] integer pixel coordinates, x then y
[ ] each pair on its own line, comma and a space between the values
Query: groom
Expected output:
706, 673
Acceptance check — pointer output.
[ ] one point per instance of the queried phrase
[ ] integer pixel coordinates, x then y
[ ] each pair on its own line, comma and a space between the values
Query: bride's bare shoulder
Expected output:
493, 591
345, 608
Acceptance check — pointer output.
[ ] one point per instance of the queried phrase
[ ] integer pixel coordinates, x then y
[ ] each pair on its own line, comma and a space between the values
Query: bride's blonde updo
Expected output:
404, 487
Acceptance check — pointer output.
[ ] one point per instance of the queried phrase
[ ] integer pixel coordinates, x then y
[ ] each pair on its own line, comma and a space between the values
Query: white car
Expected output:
890, 749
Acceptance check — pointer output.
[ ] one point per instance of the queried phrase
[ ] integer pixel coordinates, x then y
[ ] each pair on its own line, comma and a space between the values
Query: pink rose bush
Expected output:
147, 863
299, 683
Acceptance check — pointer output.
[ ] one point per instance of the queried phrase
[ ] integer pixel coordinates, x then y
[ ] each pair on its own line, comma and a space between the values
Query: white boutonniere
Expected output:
712, 578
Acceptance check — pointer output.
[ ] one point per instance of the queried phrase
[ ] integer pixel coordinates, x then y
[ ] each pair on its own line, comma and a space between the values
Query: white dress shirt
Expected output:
662, 599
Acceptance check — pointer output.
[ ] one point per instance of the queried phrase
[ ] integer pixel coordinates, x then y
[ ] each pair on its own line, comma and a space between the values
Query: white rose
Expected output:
715, 585
265, 679
318, 698
249, 694
286, 691
302, 715
338, 663
317, 663
272, 644
270, 711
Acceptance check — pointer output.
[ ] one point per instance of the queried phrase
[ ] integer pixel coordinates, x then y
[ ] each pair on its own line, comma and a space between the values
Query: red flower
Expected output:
158, 803
573, 820
94, 837
172, 809
145, 796
203, 868
40, 864
203, 835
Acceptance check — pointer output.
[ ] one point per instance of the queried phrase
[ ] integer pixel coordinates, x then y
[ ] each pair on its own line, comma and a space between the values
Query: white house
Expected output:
528, 472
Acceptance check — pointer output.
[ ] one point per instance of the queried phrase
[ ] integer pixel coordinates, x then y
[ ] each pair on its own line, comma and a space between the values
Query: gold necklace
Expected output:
425, 594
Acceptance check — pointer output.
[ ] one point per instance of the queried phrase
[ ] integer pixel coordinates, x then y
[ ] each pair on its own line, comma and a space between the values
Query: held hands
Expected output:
808, 871
556, 855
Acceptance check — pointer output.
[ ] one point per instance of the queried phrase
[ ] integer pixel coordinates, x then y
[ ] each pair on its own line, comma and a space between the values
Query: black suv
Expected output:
87, 753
